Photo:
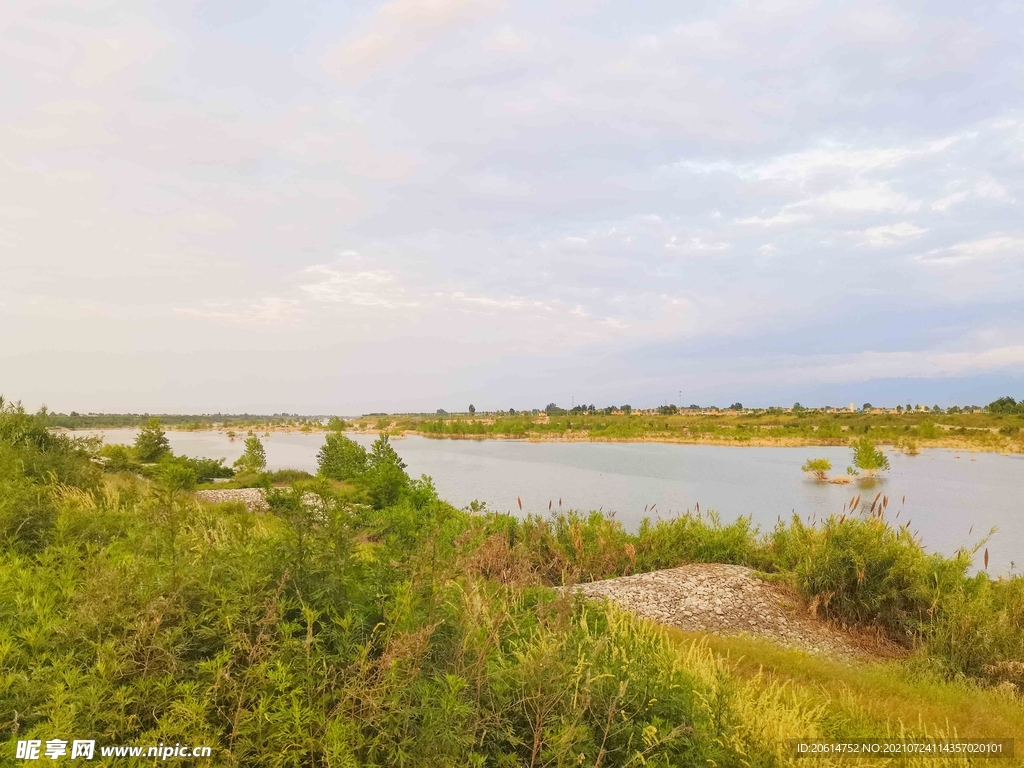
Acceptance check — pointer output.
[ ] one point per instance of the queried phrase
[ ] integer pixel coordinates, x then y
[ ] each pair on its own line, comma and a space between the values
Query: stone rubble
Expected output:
253, 498
724, 600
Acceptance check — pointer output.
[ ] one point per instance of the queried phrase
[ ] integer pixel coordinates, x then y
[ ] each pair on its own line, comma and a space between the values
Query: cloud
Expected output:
891, 234
985, 188
780, 219
696, 244
267, 312
865, 198
398, 30
996, 248
358, 288
829, 159
507, 40
577, 182
868, 365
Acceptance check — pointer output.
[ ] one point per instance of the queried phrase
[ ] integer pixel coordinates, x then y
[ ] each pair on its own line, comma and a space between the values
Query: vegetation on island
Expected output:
370, 623
869, 459
817, 467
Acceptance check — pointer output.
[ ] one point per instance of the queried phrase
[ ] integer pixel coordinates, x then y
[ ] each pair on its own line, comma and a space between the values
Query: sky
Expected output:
262, 206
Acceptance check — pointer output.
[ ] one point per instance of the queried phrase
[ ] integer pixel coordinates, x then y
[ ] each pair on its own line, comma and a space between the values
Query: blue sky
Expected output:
299, 207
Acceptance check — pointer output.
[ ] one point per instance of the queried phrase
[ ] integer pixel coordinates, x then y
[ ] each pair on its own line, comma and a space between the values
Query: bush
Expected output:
151, 444
862, 571
254, 459
818, 467
867, 458
341, 458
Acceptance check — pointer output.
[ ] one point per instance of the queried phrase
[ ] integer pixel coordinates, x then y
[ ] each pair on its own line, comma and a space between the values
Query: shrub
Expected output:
818, 467
254, 459
341, 458
151, 444
867, 458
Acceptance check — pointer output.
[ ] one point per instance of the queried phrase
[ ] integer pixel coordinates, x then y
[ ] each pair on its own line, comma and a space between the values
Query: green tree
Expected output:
472, 408
1005, 405
152, 444
867, 458
255, 457
385, 478
341, 458
334, 424
382, 452
817, 467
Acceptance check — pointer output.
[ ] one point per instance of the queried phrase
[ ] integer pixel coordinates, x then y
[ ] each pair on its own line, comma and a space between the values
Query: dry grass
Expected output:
873, 696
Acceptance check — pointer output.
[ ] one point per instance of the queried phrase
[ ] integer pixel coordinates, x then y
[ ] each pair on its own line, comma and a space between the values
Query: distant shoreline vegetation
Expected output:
999, 426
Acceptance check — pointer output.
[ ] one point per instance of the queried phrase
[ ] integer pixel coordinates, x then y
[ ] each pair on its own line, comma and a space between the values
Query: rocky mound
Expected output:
727, 600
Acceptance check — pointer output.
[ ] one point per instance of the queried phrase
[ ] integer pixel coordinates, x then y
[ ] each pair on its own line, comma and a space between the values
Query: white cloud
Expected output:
696, 244
863, 199
985, 188
497, 185
359, 288
891, 234
506, 40
868, 365
106, 58
778, 220
947, 202
829, 159
398, 30
267, 312
990, 189
994, 248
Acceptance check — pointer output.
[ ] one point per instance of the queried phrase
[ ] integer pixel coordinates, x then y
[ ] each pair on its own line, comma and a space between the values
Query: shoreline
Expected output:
583, 437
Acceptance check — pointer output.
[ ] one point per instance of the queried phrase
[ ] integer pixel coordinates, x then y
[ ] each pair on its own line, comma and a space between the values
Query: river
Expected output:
953, 498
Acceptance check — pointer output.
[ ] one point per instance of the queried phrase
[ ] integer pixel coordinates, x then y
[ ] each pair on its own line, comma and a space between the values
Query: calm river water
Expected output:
947, 493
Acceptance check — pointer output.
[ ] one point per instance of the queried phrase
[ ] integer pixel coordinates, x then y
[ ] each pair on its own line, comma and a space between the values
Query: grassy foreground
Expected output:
378, 625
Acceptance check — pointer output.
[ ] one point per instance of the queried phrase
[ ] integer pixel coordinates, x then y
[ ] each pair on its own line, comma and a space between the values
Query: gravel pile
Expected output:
724, 600
253, 498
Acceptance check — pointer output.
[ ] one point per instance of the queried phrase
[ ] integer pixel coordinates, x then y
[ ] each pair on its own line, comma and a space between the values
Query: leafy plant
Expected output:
818, 467
151, 444
254, 458
869, 459
341, 458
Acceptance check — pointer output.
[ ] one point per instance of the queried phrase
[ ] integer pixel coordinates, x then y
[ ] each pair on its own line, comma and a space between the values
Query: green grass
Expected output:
873, 697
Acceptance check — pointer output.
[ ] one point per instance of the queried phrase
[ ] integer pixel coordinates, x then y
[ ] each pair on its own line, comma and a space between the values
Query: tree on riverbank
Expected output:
152, 444
255, 457
341, 458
